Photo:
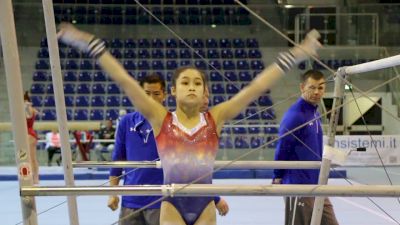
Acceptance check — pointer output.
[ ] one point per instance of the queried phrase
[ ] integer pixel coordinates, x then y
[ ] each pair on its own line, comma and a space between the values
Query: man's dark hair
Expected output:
153, 78
314, 74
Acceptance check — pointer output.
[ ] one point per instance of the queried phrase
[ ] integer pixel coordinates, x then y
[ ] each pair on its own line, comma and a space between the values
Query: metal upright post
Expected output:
17, 112
326, 163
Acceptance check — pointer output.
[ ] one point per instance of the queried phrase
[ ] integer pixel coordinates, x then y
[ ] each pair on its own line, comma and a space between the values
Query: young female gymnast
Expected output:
187, 140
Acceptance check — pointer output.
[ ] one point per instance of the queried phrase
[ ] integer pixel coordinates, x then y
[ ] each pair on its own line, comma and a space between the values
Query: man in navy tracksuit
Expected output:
304, 144
135, 141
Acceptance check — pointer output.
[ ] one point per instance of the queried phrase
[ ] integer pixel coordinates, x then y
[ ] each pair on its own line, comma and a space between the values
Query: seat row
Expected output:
71, 64
246, 142
100, 76
174, 43
152, 2
159, 53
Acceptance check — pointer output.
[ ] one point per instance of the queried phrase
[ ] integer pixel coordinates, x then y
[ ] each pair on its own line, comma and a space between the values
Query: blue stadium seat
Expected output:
112, 114
171, 102
271, 130
198, 54
113, 89
214, 64
49, 101
226, 54
185, 62
116, 43
231, 89
49, 114
157, 65
185, 54
73, 53
268, 114
252, 114
39, 76
238, 43
69, 88
98, 101
98, 88
69, 100
251, 43
129, 43
184, 43
141, 74
99, 76
43, 41
239, 117
217, 88
197, 43
49, 89
272, 141
171, 54
81, 114
228, 65
226, 142
230, 76
85, 76
157, 54
254, 54
215, 76
36, 101
211, 43
157, 43
143, 54
82, 101
257, 65
200, 64
42, 65
37, 88
226, 130
116, 53
225, 43
70, 76
113, 100
253, 130
172, 65
43, 53
71, 64
255, 142
143, 43
240, 53
96, 114
83, 88
264, 101
143, 65
212, 53
242, 65
241, 143
129, 53
218, 99
126, 102
171, 43
245, 76
129, 65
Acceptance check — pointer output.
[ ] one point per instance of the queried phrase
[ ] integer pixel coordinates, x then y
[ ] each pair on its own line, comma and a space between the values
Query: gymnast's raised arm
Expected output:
95, 47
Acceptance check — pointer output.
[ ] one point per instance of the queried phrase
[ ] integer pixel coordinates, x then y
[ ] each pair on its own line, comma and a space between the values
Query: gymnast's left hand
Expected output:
70, 35
113, 202
222, 207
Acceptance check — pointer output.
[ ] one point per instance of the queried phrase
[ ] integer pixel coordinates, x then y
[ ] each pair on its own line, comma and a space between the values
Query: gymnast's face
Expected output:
313, 90
155, 91
189, 89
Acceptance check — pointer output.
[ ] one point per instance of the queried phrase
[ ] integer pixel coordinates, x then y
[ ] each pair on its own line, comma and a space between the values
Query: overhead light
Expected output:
213, 25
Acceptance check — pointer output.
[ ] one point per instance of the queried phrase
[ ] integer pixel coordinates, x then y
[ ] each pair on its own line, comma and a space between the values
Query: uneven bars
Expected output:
373, 65
221, 189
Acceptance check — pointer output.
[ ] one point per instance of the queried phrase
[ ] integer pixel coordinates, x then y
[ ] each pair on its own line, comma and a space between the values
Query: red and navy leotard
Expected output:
187, 155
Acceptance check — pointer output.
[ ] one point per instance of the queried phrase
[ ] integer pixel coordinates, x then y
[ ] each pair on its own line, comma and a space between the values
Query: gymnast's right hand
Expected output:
308, 47
72, 36
113, 202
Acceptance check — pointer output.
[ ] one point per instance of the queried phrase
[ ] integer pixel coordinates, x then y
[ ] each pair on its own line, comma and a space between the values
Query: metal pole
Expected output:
326, 163
220, 189
217, 164
17, 112
60, 107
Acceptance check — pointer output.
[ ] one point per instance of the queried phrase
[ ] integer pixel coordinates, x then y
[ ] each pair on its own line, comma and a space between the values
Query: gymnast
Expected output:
187, 140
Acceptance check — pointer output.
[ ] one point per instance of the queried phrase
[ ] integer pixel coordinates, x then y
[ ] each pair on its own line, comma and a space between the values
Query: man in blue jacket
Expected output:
135, 142
304, 144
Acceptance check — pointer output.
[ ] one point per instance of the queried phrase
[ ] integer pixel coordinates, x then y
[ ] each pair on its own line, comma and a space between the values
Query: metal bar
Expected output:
60, 107
373, 65
217, 164
17, 111
221, 189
